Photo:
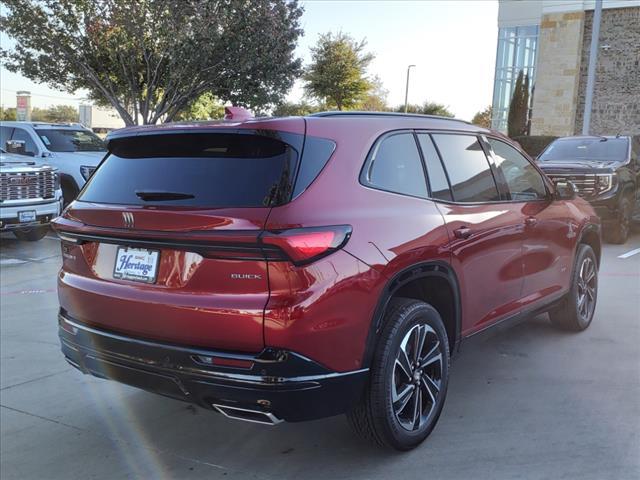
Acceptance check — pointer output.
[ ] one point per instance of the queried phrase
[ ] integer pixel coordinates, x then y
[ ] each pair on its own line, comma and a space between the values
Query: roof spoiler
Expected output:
237, 113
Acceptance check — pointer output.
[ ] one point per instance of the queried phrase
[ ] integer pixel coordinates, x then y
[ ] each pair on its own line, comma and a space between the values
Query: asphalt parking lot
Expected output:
529, 402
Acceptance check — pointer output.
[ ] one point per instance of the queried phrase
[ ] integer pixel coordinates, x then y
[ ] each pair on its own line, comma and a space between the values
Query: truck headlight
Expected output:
87, 171
56, 181
604, 182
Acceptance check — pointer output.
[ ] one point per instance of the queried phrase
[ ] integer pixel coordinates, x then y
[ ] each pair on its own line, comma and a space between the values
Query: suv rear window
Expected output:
196, 170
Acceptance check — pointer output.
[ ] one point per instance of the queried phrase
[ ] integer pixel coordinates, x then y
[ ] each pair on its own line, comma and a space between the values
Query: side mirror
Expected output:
565, 190
16, 146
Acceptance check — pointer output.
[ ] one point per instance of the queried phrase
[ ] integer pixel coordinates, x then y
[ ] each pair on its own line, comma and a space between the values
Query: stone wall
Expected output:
616, 99
556, 86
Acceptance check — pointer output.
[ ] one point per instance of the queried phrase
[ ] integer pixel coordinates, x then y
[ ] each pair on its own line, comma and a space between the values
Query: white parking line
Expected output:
629, 254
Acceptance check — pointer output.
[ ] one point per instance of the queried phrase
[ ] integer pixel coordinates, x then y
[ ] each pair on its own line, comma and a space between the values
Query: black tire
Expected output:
619, 233
377, 417
573, 314
32, 234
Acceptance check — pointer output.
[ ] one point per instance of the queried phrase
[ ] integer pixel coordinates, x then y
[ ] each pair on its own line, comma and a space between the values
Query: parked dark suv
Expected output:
295, 268
606, 172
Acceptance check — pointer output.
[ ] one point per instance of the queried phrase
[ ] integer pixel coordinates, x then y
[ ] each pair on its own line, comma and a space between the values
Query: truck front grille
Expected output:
585, 183
25, 186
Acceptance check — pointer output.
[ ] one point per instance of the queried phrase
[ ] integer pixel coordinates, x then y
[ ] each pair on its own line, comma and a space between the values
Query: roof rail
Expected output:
384, 114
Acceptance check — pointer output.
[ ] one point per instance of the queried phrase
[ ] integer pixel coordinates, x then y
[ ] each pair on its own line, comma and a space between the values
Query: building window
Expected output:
517, 49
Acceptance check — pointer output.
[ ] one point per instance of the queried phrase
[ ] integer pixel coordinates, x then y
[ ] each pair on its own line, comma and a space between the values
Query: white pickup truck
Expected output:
71, 148
30, 196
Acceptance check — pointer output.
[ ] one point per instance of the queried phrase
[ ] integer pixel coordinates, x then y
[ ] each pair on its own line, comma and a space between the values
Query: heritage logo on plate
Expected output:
138, 264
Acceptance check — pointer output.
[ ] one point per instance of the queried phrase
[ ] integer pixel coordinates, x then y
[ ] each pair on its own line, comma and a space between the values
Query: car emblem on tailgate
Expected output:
127, 218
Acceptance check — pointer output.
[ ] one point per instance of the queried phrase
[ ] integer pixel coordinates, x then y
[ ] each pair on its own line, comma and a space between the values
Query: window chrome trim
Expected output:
430, 131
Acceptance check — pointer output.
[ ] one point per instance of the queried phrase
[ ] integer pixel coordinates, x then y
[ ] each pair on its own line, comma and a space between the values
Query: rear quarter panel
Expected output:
335, 298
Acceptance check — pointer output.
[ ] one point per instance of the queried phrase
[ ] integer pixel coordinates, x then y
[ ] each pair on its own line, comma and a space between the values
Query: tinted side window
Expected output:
317, 152
435, 172
522, 179
30, 145
467, 167
395, 166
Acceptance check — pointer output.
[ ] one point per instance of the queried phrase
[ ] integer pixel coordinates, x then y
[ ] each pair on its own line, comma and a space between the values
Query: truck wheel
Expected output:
408, 378
620, 232
32, 234
577, 311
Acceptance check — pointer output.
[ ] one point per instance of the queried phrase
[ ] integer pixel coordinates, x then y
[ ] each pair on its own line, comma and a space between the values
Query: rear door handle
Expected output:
462, 232
530, 221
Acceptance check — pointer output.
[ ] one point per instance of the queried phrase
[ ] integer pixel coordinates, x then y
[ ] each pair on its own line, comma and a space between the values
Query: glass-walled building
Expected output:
550, 41
517, 49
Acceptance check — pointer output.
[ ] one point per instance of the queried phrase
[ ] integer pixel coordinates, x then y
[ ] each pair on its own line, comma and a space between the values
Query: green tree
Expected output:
150, 59
427, 108
8, 113
376, 99
337, 73
205, 107
291, 109
483, 117
55, 114
39, 114
518, 118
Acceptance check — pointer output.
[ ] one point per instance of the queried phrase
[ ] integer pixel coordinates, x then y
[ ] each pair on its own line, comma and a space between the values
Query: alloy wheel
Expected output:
417, 377
586, 298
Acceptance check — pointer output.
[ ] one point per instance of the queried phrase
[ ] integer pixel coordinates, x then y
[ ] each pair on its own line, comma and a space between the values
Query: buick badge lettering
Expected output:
245, 276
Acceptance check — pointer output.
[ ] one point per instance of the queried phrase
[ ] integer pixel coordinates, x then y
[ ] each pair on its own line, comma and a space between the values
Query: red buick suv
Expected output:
295, 268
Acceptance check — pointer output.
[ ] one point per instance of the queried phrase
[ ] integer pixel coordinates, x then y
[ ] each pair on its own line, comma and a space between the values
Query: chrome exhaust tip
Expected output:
247, 415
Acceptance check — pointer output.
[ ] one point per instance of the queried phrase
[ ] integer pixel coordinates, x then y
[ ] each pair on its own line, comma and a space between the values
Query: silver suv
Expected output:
71, 148
30, 196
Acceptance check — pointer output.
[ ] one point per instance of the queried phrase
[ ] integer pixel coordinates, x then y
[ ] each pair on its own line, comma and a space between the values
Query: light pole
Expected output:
591, 70
406, 92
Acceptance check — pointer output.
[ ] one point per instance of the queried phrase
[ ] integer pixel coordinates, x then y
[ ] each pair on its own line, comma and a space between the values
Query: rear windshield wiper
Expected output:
159, 196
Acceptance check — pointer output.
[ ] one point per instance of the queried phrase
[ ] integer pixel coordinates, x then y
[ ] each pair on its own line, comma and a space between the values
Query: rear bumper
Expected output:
271, 386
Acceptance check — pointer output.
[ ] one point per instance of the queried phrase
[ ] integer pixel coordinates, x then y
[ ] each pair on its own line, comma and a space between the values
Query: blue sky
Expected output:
452, 43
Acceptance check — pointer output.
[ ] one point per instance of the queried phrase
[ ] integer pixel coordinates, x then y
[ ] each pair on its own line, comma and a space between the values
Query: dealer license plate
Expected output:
28, 216
137, 264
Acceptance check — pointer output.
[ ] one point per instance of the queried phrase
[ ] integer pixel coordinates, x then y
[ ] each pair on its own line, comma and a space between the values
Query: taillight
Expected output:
305, 245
